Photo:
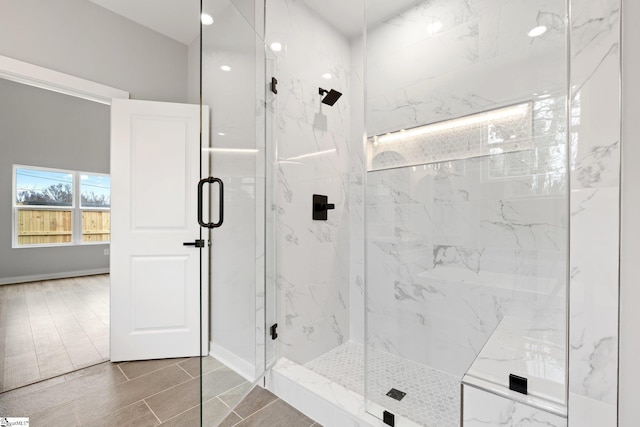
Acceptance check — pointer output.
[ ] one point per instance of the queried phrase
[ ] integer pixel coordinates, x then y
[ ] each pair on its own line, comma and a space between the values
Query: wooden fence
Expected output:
96, 226
37, 227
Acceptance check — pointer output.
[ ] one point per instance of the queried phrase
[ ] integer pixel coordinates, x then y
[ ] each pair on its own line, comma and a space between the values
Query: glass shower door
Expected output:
233, 88
466, 205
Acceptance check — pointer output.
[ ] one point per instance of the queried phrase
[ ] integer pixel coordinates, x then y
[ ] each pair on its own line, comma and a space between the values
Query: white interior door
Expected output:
155, 279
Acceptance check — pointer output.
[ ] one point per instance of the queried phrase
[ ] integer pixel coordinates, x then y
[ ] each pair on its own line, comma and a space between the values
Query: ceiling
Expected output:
347, 16
178, 19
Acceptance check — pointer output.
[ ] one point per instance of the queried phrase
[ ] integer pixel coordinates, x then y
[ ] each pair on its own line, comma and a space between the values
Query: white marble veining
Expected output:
480, 57
595, 183
594, 294
455, 247
356, 194
482, 409
451, 252
312, 158
533, 349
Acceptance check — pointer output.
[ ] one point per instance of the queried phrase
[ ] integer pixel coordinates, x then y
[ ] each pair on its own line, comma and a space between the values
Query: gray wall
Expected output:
40, 128
78, 37
630, 244
43, 128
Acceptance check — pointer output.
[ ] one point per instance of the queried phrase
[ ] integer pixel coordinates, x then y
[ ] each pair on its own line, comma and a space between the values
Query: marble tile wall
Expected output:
495, 221
595, 183
452, 251
480, 57
312, 158
453, 247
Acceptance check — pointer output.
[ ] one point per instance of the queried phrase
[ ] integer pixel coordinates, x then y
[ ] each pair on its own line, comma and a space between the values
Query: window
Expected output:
95, 202
60, 207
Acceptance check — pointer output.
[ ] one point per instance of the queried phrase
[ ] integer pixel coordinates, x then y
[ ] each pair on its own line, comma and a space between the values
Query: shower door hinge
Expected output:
273, 332
274, 83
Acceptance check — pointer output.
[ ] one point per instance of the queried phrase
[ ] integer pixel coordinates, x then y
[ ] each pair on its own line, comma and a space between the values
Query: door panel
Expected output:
151, 210
165, 275
155, 279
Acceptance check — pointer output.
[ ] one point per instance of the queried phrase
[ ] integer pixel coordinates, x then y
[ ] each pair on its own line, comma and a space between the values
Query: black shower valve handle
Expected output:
320, 207
324, 206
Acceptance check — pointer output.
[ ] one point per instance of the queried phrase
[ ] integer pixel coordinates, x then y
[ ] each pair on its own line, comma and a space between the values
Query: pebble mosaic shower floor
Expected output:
432, 397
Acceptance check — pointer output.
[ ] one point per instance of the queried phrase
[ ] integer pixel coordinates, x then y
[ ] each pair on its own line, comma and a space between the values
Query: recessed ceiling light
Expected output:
326, 76
537, 31
276, 46
225, 68
206, 19
221, 133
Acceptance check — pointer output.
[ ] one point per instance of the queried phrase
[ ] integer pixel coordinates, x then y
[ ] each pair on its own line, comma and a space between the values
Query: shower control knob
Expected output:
320, 207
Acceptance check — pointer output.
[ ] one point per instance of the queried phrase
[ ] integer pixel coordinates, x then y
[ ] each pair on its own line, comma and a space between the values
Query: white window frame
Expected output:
75, 208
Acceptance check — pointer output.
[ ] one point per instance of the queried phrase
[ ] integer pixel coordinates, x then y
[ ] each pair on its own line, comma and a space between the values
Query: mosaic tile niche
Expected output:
502, 130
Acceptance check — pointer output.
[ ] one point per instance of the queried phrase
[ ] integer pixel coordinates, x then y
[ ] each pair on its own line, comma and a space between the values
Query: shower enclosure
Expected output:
437, 271
445, 260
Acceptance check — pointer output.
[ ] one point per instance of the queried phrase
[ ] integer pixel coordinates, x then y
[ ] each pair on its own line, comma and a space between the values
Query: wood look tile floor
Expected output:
52, 327
54, 347
150, 393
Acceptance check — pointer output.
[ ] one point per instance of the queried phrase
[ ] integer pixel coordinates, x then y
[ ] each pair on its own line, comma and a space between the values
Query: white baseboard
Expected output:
233, 361
51, 276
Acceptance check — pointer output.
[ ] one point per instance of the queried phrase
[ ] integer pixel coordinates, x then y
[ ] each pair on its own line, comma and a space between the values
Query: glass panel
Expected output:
313, 157
270, 291
40, 227
96, 226
466, 226
233, 87
95, 191
318, 126
39, 187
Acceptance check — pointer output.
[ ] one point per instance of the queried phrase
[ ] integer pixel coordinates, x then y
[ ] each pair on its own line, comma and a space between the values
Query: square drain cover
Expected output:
396, 394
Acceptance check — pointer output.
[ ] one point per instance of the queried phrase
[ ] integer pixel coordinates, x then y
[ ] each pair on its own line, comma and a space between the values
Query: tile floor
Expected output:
432, 397
52, 327
150, 393
54, 335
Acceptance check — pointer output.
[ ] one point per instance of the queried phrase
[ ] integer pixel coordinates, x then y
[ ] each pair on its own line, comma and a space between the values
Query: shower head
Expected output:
332, 96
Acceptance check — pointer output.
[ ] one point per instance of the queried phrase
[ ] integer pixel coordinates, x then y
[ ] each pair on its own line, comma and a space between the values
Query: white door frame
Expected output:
55, 81
44, 78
